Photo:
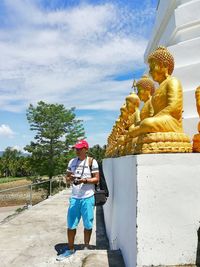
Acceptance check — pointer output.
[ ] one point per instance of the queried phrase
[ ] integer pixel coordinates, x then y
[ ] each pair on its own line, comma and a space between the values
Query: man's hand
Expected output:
82, 180
69, 179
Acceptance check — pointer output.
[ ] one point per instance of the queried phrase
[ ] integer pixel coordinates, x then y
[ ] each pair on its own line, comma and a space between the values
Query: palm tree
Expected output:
9, 161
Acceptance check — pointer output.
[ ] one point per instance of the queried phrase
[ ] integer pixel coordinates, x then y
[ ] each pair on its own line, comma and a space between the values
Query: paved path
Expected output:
35, 237
8, 211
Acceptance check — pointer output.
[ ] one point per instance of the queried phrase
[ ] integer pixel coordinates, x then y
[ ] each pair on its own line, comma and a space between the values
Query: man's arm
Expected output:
93, 180
69, 178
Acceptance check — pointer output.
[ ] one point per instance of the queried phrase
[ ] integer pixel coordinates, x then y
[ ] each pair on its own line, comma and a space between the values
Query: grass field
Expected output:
10, 179
21, 196
18, 196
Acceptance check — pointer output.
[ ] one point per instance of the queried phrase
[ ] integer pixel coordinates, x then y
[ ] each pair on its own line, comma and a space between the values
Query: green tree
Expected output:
9, 161
1, 167
24, 166
56, 130
97, 152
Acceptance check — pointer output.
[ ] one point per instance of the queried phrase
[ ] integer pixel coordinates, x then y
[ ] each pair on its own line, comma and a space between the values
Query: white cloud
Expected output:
6, 131
19, 148
69, 56
98, 138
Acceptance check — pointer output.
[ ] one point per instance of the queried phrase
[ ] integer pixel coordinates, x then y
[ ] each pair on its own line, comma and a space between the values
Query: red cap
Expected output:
81, 144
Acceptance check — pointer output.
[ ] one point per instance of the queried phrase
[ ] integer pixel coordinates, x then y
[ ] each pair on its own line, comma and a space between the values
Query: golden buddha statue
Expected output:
110, 145
196, 138
114, 137
132, 103
197, 95
145, 88
163, 131
124, 118
110, 148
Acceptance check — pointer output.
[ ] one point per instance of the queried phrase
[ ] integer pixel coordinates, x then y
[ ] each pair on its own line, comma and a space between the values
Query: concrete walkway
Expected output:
35, 237
8, 211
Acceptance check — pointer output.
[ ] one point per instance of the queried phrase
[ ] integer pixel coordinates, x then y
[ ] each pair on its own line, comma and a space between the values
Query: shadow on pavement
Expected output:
61, 248
101, 237
115, 258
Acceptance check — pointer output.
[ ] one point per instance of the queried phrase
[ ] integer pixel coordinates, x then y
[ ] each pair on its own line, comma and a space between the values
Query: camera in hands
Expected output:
76, 180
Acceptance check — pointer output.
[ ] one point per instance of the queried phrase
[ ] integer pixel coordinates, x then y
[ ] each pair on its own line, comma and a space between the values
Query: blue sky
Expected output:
82, 54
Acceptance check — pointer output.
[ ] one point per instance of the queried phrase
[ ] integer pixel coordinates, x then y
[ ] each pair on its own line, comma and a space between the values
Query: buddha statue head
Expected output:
118, 125
124, 112
161, 64
145, 87
132, 102
117, 122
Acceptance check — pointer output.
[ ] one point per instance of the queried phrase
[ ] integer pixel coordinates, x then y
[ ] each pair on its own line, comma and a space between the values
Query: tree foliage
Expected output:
97, 152
12, 163
56, 130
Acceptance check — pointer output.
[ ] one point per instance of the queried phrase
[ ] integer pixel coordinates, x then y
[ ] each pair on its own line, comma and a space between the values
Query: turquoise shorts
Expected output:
81, 207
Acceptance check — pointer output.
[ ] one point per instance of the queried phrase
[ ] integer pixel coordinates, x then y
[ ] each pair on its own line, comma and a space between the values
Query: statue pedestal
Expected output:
153, 211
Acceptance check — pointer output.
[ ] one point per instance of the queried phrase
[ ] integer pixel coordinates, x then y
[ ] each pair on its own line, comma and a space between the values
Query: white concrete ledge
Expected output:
153, 212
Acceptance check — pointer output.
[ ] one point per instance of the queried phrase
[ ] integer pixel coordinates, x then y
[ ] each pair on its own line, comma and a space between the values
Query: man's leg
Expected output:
71, 236
87, 212
87, 236
73, 218
70, 251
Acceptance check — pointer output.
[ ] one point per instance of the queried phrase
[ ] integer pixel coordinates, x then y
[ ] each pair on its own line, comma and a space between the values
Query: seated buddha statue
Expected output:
132, 103
124, 117
197, 95
196, 138
163, 131
110, 145
145, 90
116, 131
115, 141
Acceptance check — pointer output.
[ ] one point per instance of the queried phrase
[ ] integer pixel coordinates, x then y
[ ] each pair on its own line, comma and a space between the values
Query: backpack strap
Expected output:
90, 166
90, 163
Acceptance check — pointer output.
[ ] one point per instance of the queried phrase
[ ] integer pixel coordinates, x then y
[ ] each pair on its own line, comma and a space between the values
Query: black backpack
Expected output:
102, 181
101, 190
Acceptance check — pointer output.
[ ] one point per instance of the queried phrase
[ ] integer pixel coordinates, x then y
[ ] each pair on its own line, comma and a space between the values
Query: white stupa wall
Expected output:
177, 27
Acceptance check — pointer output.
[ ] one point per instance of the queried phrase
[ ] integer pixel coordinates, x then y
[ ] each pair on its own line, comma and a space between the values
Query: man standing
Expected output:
83, 174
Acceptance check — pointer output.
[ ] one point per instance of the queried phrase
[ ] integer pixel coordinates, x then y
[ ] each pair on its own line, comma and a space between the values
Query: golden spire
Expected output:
134, 85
